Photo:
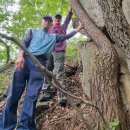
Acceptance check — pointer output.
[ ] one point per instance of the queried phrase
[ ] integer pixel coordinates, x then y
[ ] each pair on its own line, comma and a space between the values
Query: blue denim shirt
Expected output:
39, 41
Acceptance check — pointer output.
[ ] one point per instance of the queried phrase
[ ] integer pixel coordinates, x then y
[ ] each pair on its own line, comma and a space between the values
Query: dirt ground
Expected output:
64, 118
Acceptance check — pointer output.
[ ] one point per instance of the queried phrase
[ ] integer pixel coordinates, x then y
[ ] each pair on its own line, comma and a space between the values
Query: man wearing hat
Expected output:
57, 59
27, 76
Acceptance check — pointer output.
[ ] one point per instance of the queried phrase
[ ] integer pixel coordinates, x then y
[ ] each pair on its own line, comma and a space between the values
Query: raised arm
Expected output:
67, 19
62, 37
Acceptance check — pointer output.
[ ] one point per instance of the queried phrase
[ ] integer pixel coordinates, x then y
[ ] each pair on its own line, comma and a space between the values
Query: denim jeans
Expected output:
56, 62
28, 78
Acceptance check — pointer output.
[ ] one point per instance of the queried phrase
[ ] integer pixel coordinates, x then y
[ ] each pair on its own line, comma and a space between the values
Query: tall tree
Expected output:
104, 84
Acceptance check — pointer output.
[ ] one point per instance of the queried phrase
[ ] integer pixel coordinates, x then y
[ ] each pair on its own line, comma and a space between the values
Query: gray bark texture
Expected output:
89, 54
114, 15
102, 81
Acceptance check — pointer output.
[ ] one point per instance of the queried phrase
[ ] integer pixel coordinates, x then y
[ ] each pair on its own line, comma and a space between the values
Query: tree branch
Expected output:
91, 29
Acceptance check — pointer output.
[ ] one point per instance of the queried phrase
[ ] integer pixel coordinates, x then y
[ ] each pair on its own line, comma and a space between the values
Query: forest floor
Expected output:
55, 117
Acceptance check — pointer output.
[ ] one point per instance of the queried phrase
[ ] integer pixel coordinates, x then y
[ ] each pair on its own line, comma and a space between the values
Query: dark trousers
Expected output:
28, 78
56, 62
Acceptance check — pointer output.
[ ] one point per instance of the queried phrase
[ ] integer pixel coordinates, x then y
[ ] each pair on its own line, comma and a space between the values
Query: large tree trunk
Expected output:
103, 76
93, 79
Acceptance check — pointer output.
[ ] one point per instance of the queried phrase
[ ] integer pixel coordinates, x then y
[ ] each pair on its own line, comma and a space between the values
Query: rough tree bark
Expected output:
104, 91
116, 24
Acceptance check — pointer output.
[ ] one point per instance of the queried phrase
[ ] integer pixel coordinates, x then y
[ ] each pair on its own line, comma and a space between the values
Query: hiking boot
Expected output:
47, 96
62, 101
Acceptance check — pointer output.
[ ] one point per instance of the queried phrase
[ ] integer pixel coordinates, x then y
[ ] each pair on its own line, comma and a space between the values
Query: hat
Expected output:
58, 15
47, 17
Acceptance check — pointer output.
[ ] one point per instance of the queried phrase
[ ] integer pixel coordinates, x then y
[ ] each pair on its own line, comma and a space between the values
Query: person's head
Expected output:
57, 19
46, 21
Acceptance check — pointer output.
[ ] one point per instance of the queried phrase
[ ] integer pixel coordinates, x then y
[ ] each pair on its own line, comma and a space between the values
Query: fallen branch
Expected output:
56, 83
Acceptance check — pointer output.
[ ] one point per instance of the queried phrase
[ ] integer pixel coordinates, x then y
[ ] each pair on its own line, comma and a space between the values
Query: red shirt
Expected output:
61, 29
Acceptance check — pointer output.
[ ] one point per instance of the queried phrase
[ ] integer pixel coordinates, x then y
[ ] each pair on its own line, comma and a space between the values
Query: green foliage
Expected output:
71, 51
2, 54
4, 81
5, 14
27, 15
1, 79
30, 13
114, 124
